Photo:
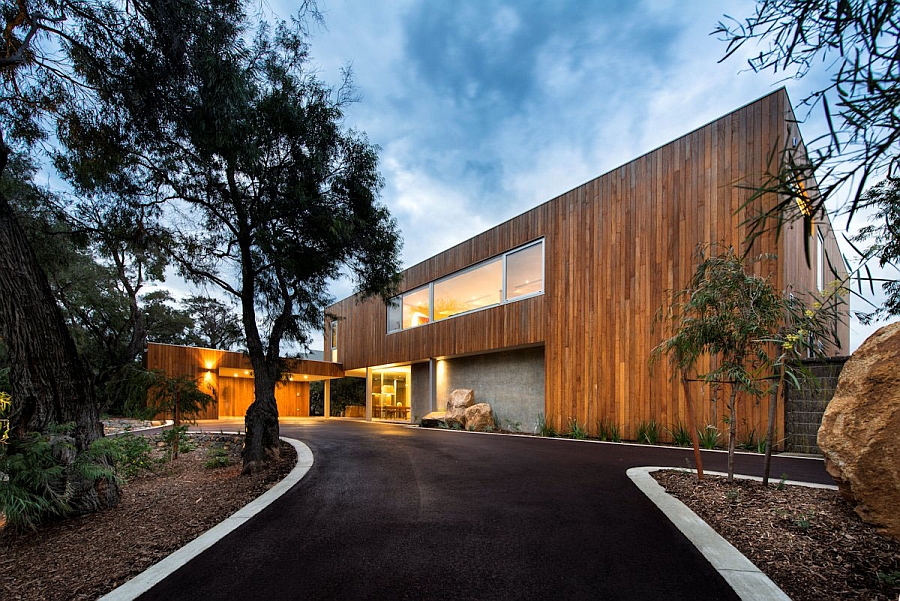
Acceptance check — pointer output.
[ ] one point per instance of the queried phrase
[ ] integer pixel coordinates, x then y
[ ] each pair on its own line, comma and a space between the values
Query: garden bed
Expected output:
161, 511
807, 540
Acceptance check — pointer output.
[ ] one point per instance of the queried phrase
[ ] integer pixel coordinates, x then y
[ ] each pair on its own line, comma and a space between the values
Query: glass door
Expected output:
390, 393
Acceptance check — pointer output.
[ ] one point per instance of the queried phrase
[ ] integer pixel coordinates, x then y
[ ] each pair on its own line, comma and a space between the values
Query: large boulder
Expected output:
480, 417
460, 399
435, 419
860, 432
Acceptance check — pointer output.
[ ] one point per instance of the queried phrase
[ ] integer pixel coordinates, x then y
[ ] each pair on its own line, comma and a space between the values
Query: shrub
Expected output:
544, 428
750, 441
648, 432
132, 454
708, 436
681, 434
607, 430
177, 441
576, 430
216, 457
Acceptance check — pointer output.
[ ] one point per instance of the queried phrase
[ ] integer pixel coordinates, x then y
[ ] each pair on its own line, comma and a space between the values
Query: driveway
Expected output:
392, 512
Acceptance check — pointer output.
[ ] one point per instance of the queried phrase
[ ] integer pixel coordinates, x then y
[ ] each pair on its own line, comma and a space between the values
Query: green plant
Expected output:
733, 494
132, 454
891, 579
514, 426
750, 442
4, 418
576, 430
177, 440
543, 427
36, 485
782, 481
216, 457
607, 430
681, 434
804, 520
708, 436
648, 432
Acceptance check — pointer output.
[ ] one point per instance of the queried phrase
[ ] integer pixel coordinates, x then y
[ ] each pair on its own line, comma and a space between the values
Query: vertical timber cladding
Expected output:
613, 248
232, 395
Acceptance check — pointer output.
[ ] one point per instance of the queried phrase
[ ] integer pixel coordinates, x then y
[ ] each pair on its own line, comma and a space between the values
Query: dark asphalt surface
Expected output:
391, 512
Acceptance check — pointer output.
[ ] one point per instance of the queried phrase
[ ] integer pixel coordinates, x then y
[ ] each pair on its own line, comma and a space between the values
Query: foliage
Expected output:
681, 434
215, 324
177, 440
132, 454
344, 391
36, 483
216, 457
750, 441
4, 417
883, 231
544, 428
708, 437
151, 392
576, 430
857, 41
607, 430
648, 432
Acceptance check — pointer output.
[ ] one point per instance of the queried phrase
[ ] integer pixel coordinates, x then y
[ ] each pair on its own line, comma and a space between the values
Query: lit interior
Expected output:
390, 393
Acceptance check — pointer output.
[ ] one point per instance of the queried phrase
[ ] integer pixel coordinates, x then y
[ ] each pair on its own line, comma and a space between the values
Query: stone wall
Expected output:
511, 381
804, 407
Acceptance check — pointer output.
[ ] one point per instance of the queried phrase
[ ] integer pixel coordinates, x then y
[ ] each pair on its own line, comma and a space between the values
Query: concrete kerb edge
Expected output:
150, 577
748, 581
165, 424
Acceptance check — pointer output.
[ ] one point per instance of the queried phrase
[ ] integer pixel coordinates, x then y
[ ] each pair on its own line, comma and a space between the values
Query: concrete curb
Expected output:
748, 581
165, 424
147, 579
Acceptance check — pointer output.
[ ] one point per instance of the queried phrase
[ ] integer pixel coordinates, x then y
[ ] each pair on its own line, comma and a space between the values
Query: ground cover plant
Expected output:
162, 508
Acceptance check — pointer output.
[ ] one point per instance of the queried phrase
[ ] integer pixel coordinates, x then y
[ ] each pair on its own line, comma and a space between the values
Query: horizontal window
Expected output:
511, 276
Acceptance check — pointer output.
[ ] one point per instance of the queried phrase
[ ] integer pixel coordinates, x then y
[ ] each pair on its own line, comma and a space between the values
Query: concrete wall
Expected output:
420, 401
804, 407
511, 381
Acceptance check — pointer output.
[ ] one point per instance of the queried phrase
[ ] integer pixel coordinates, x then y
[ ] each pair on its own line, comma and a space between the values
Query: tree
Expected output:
883, 232
215, 324
857, 42
277, 196
738, 319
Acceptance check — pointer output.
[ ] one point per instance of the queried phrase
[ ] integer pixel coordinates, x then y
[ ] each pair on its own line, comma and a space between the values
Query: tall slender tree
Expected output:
270, 195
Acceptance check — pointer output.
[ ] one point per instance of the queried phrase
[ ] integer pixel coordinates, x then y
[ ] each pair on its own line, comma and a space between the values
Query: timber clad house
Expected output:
552, 312
550, 315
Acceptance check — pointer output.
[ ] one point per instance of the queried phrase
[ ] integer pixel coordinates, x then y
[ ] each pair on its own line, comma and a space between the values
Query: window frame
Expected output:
503, 296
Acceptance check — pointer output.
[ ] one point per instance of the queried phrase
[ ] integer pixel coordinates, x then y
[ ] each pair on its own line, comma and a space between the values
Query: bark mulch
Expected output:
809, 541
88, 556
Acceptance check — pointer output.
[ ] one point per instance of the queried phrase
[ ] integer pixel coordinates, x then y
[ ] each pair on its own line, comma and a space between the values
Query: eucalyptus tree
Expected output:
269, 195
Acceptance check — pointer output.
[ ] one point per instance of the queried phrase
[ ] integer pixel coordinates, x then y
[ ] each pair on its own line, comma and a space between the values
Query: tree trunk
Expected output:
692, 425
261, 423
732, 432
770, 430
50, 384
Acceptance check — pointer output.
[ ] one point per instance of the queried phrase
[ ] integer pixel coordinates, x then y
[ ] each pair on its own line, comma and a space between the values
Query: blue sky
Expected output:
484, 110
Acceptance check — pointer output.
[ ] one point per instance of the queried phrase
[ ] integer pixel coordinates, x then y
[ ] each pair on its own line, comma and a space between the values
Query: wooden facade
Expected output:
228, 377
613, 248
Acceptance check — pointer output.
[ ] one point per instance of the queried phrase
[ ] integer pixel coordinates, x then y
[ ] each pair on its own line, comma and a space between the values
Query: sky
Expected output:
483, 110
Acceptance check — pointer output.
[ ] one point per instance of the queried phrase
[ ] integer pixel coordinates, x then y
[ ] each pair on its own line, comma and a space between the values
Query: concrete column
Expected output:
368, 395
327, 399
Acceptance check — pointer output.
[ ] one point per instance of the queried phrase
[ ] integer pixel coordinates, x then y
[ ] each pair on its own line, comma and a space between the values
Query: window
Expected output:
511, 276
416, 308
334, 341
472, 289
525, 272
394, 314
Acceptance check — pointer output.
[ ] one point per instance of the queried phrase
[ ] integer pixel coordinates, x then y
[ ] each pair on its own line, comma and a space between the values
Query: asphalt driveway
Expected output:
391, 512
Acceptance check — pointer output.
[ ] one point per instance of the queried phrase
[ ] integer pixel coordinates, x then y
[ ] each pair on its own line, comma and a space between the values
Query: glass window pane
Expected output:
525, 271
394, 314
470, 290
415, 308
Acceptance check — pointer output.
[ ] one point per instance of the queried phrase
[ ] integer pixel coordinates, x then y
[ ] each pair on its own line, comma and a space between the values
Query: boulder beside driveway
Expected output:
460, 399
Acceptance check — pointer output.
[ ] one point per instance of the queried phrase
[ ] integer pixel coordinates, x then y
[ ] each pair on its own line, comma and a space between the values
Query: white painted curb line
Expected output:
748, 581
150, 577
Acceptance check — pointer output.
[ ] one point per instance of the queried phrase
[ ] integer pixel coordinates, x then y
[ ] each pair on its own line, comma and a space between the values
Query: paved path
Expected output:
391, 512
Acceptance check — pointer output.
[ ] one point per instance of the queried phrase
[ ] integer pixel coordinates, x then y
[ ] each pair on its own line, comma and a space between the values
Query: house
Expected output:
550, 315
227, 376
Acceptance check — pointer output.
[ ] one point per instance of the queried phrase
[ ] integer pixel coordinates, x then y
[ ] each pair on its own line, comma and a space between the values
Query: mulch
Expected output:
808, 541
86, 557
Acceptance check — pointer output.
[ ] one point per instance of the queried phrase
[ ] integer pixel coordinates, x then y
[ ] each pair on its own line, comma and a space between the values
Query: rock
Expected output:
160, 444
860, 432
480, 418
435, 419
460, 399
